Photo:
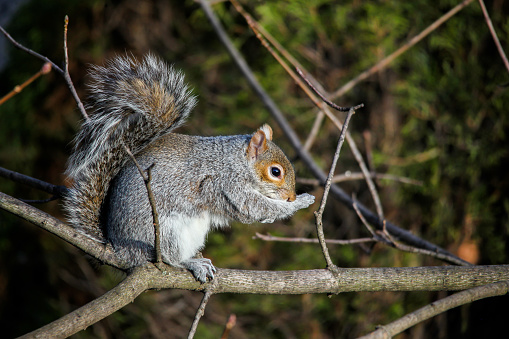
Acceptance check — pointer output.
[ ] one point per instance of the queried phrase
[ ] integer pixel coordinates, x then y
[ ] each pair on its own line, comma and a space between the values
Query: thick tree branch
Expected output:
100, 251
113, 300
441, 278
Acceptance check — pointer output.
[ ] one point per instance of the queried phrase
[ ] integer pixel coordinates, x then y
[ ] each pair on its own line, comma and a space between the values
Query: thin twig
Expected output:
43, 201
269, 237
56, 190
366, 224
327, 101
29, 51
328, 183
390, 58
45, 69
353, 147
314, 130
155, 216
494, 35
405, 248
366, 135
438, 307
386, 238
66, 76
199, 313
232, 320
66, 54
349, 176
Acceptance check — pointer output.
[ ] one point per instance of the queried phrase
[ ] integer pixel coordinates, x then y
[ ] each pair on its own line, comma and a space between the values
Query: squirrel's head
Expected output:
273, 170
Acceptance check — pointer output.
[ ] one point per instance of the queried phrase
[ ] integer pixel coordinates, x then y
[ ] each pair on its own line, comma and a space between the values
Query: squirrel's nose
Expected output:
291, 196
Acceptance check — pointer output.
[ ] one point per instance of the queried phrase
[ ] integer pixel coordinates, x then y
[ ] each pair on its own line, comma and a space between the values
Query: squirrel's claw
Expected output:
201, 268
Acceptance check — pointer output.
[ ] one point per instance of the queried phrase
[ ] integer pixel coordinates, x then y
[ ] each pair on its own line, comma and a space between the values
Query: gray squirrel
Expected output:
199, 183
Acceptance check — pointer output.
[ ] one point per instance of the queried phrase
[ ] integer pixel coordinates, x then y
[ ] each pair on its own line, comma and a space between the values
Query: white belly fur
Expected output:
187, 235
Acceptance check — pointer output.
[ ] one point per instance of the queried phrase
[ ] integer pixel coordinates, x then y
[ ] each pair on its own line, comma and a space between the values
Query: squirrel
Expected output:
199, 183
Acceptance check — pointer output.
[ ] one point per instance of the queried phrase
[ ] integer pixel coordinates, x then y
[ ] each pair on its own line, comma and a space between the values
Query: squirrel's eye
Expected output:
275, 171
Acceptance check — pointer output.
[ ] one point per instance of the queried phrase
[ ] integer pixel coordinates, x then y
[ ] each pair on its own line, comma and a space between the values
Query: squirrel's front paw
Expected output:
201, 268
304, 200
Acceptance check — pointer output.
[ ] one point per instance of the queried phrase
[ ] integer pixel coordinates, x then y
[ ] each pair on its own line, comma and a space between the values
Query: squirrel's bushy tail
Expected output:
131, 104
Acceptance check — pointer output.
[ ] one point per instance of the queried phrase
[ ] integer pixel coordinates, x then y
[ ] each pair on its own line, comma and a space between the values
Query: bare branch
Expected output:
93, 247
199, 313
232, 320
67, 76
113, 300
314, 130
441, 278
382, 64
29, 51
269, 237
328, 102
353, 147
438, 307
152, 200
494, 35
64, 74
45, 69
328, 183
56, 190
349, 176
366, 224
66, 54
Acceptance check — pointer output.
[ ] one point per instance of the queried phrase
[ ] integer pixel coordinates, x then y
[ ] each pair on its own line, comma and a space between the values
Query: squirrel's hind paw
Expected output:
201, 268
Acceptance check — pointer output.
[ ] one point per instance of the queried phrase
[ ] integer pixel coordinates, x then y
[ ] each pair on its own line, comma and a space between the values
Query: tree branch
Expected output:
100, 251
45, 69
328, 183
199, 313
494, 35
56, 190
270, 237
349, 176
390, 58
147, 178
63, 73
113, 300
438, 307
440, 278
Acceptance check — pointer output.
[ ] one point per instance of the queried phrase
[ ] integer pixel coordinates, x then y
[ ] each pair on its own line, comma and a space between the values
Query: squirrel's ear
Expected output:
267, 130
258, 143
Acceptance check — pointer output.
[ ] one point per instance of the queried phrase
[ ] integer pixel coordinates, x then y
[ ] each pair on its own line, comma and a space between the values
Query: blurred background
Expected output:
438, 114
